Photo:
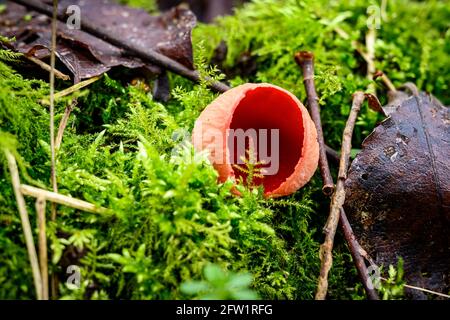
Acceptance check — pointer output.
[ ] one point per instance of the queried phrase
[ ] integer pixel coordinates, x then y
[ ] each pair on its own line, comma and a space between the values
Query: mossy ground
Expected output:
170, 218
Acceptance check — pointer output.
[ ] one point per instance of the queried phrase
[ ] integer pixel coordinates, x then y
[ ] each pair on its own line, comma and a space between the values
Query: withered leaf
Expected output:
398, 190
86, 55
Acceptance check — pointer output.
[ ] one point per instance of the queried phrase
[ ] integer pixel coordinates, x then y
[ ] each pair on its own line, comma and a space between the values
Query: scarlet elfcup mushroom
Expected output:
274, 121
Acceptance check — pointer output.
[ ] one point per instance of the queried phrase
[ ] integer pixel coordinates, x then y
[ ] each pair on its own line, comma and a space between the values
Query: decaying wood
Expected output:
205, 10
338, 199
62, 199
40, 210
306, 61
26, 226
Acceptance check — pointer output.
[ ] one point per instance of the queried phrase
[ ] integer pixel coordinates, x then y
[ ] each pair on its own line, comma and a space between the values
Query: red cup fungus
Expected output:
274, 122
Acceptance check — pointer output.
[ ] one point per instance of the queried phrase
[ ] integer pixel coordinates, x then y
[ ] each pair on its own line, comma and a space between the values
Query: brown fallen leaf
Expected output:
398, 190
88, 56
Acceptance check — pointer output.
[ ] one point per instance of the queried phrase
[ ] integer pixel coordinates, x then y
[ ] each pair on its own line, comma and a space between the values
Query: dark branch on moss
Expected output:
145, 54
306, 61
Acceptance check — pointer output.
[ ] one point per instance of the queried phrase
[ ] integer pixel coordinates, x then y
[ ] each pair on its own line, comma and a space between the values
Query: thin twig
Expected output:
422, 289
332, 155
306, 61
54, 13
145, 54
62, 199
69, 108
380, 74
161, 88
348, 232
359, 48
26, 226
40, 210
63, 123
370, 47
337, 201
341, 32
47, 68
52, 105
72, 89
357, 254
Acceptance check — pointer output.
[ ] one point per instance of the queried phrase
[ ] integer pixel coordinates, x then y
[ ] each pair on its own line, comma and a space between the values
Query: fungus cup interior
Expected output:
270, 108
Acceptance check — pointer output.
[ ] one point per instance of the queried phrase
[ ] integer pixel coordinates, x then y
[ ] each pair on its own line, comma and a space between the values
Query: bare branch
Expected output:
61, 199
43, 259
72, 89
26, 226
306, 61
357, 254
146, 54
63, 123
47, 68
52, 104
370, 47
337, 201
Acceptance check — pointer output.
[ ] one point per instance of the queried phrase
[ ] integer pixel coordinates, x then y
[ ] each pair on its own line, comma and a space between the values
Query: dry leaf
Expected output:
398, 190
87, 56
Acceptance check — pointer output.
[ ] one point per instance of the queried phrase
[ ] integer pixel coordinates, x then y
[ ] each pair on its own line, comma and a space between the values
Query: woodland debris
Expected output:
42, 244
205, 10
369, 57
398, 189
72, 89
52, 105
371, 36
358, 255
63, 123
46, 67
337, 201
88, 54
306, 61
26, 226
62, 199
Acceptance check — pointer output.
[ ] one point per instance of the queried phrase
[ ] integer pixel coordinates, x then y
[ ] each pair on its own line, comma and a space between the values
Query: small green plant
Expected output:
251, 168
8, 55
220, 285
392, 288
